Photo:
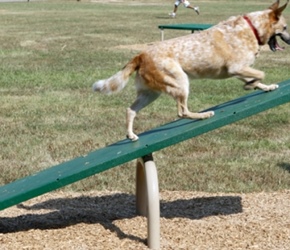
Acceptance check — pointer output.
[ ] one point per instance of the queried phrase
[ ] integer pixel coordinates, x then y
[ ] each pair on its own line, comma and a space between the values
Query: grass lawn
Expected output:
52, 51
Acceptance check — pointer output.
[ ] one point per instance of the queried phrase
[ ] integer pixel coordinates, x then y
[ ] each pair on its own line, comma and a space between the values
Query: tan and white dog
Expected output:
227, 49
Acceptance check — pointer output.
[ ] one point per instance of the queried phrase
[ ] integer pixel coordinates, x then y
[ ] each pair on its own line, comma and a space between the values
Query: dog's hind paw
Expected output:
211, 113
133, 137
207, 114
202, 115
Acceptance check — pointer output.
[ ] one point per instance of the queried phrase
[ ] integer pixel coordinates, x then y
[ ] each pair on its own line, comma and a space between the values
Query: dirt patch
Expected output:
189, 220
128, 2
137, 47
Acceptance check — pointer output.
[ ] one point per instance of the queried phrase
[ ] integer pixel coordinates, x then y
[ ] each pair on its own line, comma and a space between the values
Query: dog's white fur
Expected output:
228, 49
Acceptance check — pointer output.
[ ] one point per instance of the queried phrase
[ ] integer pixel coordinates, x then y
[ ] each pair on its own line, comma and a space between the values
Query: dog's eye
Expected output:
285, 28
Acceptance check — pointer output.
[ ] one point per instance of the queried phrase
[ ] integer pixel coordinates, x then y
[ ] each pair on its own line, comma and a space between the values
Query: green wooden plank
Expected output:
186, 26
150, 141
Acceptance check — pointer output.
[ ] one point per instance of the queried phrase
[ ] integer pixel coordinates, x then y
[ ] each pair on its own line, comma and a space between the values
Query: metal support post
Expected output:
147, 198
162, 34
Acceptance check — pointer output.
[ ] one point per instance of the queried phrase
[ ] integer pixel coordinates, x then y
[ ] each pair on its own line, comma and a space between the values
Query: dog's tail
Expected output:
118, 81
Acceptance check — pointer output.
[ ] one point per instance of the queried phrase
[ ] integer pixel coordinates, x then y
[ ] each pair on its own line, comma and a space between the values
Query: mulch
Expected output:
108, 220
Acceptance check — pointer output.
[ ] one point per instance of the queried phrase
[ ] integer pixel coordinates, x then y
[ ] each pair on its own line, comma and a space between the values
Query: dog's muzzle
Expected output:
273, 43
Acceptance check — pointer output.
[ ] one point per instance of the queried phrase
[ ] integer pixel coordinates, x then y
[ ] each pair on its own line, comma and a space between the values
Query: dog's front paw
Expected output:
273, 87
132, 137
267, 87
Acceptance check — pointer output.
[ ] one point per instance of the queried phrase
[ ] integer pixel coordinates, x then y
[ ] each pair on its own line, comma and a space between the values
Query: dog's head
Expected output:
279, 26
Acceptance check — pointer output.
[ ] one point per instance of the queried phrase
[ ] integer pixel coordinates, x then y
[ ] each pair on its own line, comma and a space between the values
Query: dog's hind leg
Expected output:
144, 97
183, 111
180, 91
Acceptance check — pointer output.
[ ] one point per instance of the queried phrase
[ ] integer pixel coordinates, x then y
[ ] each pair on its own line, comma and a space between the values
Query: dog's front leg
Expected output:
256, 84
252, 79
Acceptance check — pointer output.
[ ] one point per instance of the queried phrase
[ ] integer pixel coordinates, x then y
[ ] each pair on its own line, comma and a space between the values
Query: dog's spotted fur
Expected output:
228, 49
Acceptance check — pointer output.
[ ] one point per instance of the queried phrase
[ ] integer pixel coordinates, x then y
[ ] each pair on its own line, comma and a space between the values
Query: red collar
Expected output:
253, 29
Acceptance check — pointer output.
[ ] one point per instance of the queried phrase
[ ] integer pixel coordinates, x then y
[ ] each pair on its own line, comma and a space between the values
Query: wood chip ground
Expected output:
189, 220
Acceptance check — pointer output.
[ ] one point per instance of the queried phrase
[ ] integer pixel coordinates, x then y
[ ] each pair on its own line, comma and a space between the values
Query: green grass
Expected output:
52, 51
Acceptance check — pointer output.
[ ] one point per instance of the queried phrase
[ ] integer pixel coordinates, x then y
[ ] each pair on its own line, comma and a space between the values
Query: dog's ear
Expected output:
280, 10
275, 5
276, 10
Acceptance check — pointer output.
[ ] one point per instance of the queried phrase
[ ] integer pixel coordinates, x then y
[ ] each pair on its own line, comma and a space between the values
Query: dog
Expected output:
225, 50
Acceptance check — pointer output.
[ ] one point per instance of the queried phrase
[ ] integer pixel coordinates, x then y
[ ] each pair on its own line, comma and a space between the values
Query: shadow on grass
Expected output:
106, 209
285, 166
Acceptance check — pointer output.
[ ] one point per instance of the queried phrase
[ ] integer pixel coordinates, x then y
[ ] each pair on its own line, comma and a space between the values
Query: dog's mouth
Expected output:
273, 44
